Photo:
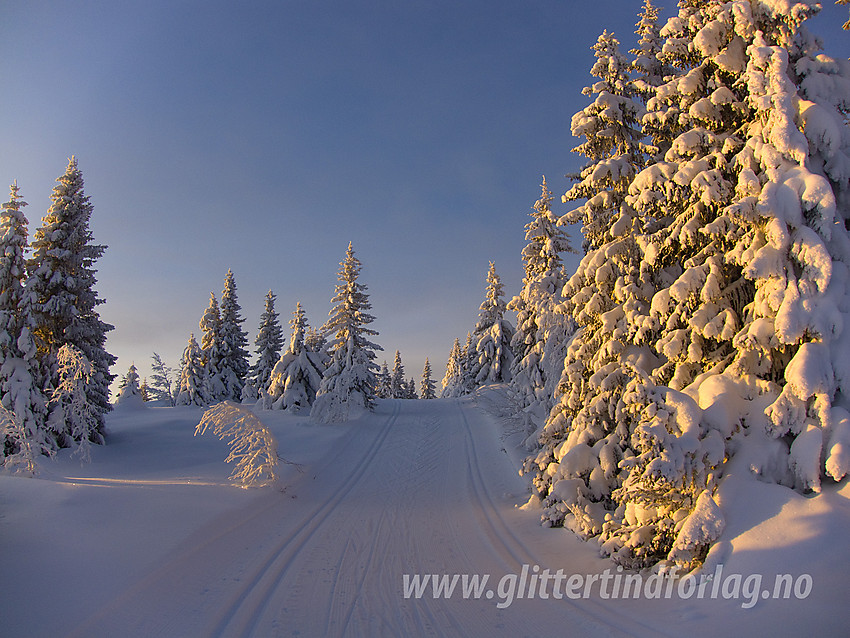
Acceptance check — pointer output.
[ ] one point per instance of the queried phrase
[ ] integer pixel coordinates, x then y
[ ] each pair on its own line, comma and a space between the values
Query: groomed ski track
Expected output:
418, 487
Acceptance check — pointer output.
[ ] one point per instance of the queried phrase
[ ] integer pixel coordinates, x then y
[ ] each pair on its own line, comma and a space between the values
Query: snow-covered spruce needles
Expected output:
252, 446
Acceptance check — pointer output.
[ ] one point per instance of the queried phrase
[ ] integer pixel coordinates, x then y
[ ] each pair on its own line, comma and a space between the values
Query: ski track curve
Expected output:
415, 490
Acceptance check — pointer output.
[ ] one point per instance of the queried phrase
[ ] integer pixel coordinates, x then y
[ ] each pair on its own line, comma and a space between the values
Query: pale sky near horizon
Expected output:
264, 137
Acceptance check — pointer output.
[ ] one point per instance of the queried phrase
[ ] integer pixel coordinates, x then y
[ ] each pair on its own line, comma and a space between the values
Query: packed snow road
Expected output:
417, 489
389, 529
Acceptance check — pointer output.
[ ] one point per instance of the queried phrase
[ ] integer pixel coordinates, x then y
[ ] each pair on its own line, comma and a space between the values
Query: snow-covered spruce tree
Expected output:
597, 365
212, 346
492, 336
398, 388
161, 386
194, 378
382, 382
470, 361
728, 287
61, 279
22, 399
130, 391
427, 387
348, 386
297, 376
234, 356
269, 343
72, 407
647, 69
453, 380
539, 343
613, 146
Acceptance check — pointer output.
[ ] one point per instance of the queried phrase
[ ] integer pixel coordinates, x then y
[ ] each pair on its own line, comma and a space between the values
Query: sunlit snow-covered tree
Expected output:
647, 68
427, 387
194, 378
453, 380
130, 390
72, 406
715, 306
61, 280
492, 336
234, 357
297, 376
20, 395
540, 340
613, 145
211, 350
398, 389
348, 387
269, 343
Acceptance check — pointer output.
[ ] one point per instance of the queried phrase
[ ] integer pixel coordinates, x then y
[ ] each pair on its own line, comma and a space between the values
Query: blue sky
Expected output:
264, 136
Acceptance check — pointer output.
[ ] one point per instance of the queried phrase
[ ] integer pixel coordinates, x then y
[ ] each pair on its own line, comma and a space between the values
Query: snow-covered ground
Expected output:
151, 540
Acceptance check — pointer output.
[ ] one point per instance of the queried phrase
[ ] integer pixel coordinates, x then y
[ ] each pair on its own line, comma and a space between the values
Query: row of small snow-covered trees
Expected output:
711, 305
54, 368
292, 378
392, 384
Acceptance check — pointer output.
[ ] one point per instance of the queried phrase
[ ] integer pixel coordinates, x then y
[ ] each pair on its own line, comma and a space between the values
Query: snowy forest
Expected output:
705, 329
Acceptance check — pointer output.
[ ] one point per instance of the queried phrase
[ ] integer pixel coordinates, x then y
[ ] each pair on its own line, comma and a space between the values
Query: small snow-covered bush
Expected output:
252, 446
14, 433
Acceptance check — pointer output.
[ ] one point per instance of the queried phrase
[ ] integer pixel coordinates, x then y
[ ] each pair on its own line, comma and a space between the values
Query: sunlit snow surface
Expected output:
150, 539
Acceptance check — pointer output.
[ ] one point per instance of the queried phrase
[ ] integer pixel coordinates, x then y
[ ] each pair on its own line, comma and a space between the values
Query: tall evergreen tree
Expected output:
297, 376
383, 382
397, 382
720, 290
453, 381
194, 379
613, 145
234, 356
269, 343
410, 389
647, 68
492, 336
20, 394
61, 280
212, 347
349, 383
539, 343
427, 387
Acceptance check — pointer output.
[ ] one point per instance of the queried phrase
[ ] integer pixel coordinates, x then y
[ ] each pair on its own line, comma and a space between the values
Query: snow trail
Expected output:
418, 487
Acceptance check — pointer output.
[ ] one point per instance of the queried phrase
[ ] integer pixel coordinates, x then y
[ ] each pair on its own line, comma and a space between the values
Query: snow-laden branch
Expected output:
252, 446
13, 430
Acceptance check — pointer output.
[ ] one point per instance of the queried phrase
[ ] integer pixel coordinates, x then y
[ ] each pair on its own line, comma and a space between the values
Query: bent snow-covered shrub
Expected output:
253, 448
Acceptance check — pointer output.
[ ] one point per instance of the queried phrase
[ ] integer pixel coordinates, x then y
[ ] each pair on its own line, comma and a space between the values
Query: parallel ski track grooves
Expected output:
627, 629
375, 538
514, 546
296, 541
